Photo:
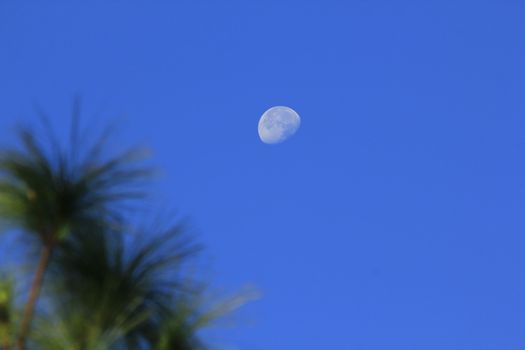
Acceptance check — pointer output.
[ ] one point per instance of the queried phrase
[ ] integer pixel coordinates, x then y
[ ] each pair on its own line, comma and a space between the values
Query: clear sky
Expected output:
395, 217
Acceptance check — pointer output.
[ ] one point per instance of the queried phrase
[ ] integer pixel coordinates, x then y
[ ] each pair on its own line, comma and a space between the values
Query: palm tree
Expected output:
50, 193
106, 287
115, 291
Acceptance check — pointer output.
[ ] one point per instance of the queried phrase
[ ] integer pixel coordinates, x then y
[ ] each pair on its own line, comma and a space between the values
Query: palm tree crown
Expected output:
49, 194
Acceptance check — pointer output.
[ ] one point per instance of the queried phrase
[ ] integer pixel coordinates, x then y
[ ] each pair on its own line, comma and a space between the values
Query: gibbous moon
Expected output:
278, 124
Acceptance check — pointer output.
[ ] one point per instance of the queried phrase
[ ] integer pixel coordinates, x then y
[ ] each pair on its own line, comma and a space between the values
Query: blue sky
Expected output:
393, 219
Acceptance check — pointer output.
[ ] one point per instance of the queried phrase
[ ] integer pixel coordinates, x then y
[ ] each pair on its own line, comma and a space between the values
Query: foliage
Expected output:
6, 309
48, 192
113, 294
106, 286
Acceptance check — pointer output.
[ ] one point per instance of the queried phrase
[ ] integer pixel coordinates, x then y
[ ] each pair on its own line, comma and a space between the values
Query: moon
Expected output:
278, 124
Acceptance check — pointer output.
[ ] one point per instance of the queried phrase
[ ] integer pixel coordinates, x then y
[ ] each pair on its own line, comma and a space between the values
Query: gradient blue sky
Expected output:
394, 219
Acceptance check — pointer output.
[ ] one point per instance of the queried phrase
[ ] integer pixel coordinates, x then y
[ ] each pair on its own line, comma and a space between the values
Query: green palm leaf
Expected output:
47, 194
119, 288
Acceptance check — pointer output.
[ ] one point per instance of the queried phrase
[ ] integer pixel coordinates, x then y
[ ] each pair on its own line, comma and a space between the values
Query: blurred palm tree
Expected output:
51, 192
114, 291
106, 287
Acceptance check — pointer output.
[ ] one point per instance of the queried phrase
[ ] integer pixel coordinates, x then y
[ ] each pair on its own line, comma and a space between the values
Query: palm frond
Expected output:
129, 286
49, 191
